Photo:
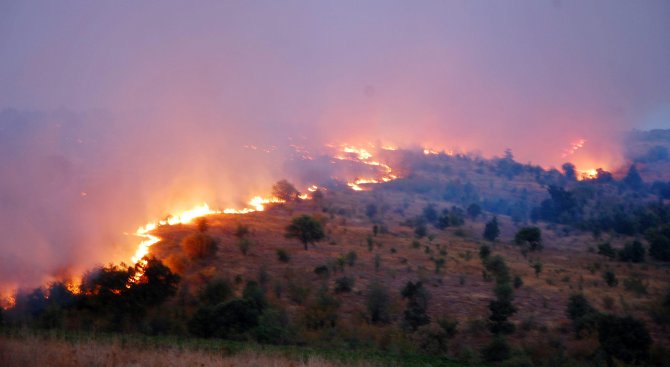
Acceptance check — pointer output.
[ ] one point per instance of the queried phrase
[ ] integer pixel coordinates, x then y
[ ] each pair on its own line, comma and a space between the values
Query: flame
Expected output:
8, 301
574, 147
257, 203
362, 155
428, 151
587, 174
312, 188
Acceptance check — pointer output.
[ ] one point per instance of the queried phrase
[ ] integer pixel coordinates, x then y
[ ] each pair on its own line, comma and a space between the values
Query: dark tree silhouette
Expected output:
284, 190
306, 229
492, 230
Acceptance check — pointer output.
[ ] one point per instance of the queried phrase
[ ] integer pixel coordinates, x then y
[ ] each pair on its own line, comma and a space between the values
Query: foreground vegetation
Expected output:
23, 347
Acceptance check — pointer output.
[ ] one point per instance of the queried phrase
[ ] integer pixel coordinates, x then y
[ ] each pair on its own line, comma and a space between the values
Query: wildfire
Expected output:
256, 204
587, 174
362, 155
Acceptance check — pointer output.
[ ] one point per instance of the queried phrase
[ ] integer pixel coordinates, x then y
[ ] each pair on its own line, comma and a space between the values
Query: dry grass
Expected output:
31, 351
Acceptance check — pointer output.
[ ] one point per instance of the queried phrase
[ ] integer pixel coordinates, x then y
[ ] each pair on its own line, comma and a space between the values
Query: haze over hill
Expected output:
117, 114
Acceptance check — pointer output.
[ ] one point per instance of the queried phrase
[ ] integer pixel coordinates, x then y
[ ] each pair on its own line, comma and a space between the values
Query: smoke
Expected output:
167, 94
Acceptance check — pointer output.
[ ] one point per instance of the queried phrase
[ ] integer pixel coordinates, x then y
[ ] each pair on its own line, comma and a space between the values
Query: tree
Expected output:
632, 252
496, 351
659, 243
569, 171
306, 229
633, 179
378, 304
492, 230
156, 284
474, 210
610, 278
624, 338
584, 316
284, 190
417, 304
215, 292
529, 236
199, 246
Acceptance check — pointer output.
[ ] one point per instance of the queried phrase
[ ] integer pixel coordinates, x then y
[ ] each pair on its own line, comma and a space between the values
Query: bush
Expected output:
323, 312
431, 339
215, 292
351, 258
283, 256
606, 250
274, 327
632, 252
492, 230
530, 237
322, 271
635, 284
199, 246
624, 338
496, 351
227, 320
610, 278
378, 306
344, 284
244, 244
415, 314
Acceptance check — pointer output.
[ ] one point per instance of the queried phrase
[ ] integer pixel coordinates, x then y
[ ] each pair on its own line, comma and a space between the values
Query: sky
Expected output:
117, 111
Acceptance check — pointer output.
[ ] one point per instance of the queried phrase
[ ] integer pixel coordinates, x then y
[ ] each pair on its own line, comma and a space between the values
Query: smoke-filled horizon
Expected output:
167, 94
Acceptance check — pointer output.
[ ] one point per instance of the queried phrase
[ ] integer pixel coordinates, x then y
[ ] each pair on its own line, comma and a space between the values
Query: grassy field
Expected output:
67, 349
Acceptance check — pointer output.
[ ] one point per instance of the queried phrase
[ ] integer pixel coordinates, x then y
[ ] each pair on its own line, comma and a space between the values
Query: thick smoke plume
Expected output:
119, 112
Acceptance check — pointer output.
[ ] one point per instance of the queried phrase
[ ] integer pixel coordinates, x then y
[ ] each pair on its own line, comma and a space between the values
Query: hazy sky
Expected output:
164, 94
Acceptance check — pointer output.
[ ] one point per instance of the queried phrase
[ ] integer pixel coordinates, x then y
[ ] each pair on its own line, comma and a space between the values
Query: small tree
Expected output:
417, 304
306, 229
474, 210
492, 230
529, 236
284, 190
199, 245
378, 304
610, 278
632, 252
624, 338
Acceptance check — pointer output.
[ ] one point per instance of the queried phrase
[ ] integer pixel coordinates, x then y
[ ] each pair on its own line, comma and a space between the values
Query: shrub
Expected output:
518, 282
610, 278
344, 284
322, 271
378, 306
492, 230
323, 312
417, 304
484, 252
635, 284
241, 231
632, 252
274, 327
496, 351
244, 244
530, 237
215, 292
431, 339
606, 250
199, 246
351, 258
283, 256
624, 338
284, 190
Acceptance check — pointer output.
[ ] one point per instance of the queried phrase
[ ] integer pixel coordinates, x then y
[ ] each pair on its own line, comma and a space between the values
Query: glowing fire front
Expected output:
256, 204
363, 156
